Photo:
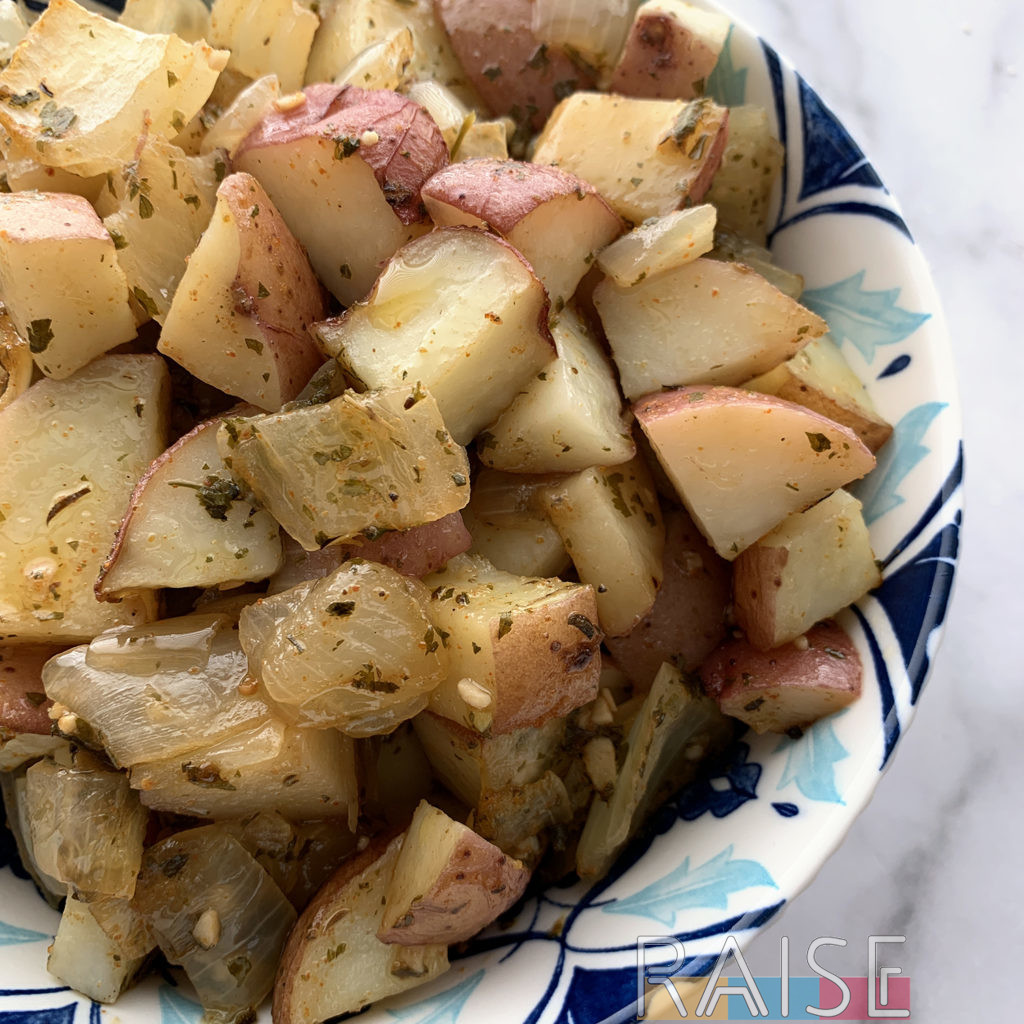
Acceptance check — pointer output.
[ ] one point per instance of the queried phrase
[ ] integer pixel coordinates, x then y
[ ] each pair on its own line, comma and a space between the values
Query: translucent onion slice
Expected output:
355, 650
144, 709
217, 914
87, 827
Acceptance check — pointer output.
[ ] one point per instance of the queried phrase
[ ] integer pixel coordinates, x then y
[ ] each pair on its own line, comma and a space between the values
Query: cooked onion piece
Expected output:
359, 464
356, 650
158, 691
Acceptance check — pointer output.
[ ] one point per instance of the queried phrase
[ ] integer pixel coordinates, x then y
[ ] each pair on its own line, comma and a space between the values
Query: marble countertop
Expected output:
934, 92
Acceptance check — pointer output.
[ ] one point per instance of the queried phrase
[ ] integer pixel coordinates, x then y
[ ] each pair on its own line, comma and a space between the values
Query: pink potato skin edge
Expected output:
21, 670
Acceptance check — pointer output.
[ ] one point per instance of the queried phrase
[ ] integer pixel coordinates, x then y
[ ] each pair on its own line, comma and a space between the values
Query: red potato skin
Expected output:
296, 298
102, 594
508, 66
738, 676
317, 917
709, 168
410, 147
478, 885
662, 59
687, 621
502, 192
413, 552
38, 217
23, 703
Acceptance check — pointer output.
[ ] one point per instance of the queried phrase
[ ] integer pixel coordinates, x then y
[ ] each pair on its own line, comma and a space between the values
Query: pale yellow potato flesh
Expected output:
448, 883
705, 322
113, 86
46, 234
812, 565
15, 361
611, 525
333, 962
188, 525
111, 426
741, 462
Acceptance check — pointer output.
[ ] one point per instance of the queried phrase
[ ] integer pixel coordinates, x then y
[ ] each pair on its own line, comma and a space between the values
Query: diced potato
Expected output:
154, 692
357, 650
345, 168
23, 748
23, 703
43, 234
597, 37
156, 209
448, 883
23, 173
812, 565
188, 525
819, 378
646, 157
217, 914
484, 140
111, 425
413, 552
520, 650
733, 248
87, 827
242, 115
687, 620
788, 687
557, 221
189, 19
611, 525
705, 322
474, 766
671, 50
300, 773
742, 461
742, 189
349, 27
248, 294
461, 312
673, 731
450, 114
659, 244
359, 464
265, 37
86, 958
531, 547
522, 77
568, 417
382, 65
333, 962
113, 85
395, 775
123, 925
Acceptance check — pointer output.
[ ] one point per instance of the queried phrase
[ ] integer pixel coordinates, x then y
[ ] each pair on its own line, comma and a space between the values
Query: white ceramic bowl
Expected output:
727, 853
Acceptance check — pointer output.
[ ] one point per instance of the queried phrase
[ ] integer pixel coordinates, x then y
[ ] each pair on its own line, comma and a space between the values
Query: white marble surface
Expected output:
934, 92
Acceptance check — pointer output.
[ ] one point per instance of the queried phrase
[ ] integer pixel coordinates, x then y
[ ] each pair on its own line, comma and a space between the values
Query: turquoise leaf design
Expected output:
12, 936
879, 492
440, 1009
811, 762
865, 319
176, 1009
727, 83
709, 885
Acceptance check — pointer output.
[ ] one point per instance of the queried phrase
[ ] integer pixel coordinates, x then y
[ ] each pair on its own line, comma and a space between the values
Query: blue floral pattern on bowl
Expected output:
703, 868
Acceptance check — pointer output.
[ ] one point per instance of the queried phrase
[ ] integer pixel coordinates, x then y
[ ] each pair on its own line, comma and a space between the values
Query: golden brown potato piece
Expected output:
448, 883
788, 687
